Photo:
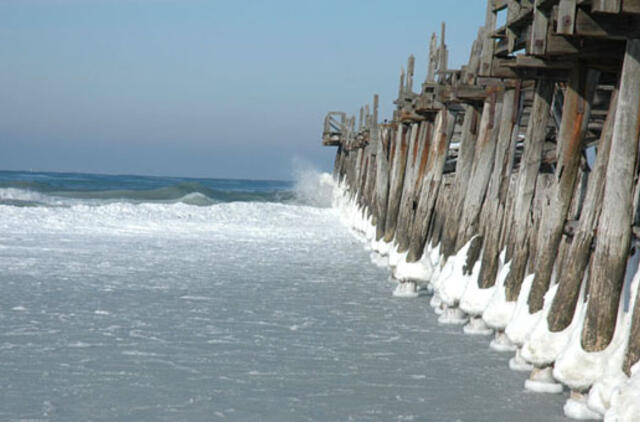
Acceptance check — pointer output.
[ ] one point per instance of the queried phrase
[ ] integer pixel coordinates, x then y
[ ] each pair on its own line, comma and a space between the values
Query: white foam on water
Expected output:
501, 343
420, 271
576, 408
522, 322
625, 399
452, 287
499, 312
578, 368
541, 381
613, 378
382, 248
517, 363
452, 316
313, 187
543, 346
474, 299
406, 289
379, 260
477, 326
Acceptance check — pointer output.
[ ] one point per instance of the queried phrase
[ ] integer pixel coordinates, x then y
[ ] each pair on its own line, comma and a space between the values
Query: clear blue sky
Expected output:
202, 88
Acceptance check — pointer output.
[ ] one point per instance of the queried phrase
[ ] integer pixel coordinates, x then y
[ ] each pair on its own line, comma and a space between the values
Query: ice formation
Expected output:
499, 312
559, 356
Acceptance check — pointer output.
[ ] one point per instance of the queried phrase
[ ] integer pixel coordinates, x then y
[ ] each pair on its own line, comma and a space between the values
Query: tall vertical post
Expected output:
529, 168
410, 68
575, 116
614, 226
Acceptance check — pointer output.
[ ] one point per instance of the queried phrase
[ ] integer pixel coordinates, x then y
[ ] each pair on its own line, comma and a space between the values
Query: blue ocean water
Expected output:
131, 298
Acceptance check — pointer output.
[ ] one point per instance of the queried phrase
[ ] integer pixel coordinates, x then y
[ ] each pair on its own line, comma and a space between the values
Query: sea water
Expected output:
129, 298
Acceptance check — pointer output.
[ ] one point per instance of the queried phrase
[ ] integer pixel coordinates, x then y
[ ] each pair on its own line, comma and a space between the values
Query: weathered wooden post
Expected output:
482, 166
384, 146
396, 182
614, 226
430, 184
499, 184
529, 168
404, 212
463, 172
571, 273
411, 183
575, 115
410, 68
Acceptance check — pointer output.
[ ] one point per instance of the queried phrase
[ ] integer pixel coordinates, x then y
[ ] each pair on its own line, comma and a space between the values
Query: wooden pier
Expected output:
530, 149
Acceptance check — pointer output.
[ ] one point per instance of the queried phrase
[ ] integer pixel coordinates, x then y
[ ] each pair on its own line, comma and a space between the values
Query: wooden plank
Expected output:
539, 27
571, 275
631, 6
575, 116
606, 26
606, 6
614, 226
529, 166
566, 17
486, 55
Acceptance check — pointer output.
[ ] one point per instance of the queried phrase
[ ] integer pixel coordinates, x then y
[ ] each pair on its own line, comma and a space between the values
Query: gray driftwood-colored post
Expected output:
529, 167
404, 213
424, 151
614, 226
463, 172
412, 185
382, 180
486, 56
571, 276
433, 58
500, 177
482, 166
443, 52
430, 184
410, 69
396, 182
575, 115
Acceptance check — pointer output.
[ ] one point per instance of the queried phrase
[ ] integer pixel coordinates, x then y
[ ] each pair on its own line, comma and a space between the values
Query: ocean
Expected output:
133, 298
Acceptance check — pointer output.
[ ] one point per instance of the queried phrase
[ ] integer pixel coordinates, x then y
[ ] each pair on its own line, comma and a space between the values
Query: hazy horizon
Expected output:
202, 88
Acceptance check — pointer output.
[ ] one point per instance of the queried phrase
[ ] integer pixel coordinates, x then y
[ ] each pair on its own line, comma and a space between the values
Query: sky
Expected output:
203, 88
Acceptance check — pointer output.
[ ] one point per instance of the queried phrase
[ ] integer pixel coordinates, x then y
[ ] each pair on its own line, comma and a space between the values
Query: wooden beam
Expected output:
538, 43
606, 6
566, 17
618, 27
